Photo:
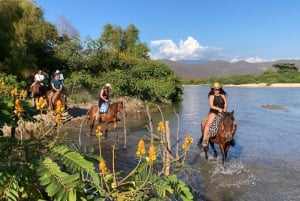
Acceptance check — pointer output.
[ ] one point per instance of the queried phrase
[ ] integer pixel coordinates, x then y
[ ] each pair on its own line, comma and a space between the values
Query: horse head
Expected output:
227, 125
120, 107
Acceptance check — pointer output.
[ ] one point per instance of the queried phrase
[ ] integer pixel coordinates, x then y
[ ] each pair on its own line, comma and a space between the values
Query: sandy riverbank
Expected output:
278, 85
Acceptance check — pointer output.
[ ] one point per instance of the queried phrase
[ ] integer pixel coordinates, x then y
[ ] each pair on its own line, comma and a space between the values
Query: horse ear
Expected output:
232, 113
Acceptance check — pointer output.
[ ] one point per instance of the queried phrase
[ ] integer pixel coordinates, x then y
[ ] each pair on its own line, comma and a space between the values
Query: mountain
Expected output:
187, 69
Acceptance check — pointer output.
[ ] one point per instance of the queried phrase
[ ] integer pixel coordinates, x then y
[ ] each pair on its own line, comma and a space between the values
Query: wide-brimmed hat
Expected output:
108, 85
57, 72
216, 85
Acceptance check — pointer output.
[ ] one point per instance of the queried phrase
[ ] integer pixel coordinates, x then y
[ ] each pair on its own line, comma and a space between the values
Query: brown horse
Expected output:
109, 117
57, 96
36, 91
224, 136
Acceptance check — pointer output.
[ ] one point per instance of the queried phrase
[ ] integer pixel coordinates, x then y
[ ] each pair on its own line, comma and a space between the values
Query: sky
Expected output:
230, 30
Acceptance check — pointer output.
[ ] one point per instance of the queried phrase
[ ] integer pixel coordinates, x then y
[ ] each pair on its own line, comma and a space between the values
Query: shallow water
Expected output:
264, 164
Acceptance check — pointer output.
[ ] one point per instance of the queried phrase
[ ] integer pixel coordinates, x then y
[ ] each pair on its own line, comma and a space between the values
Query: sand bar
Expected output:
278, 85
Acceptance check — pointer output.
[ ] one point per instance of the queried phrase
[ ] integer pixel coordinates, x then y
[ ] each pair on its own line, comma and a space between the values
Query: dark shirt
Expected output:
105, 95
56, 83
217, 102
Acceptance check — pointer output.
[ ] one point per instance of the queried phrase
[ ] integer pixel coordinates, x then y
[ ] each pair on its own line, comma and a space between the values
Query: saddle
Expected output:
214, 126
104, 108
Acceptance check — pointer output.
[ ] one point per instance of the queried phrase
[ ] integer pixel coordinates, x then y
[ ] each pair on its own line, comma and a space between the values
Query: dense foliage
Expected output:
29, 43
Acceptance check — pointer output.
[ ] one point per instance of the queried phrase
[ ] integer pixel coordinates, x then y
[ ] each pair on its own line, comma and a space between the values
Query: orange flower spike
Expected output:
99, 131
102, 167
3, 86
187, 142
23, 94
141, 148
160, 127
17, 103
14, 92
57, 118
152, 154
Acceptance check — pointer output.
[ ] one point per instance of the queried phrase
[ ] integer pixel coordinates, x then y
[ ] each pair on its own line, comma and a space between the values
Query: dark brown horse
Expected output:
57, 96
36, 91
106, 118
224, 136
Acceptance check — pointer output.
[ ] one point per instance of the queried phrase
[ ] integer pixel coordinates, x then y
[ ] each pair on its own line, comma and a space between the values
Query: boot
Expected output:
205, 142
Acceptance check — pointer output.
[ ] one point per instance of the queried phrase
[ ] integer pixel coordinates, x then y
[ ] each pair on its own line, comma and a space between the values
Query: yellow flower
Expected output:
59, 107
57, 118
18, 110
141, 148
152, 156
41, 104
187, 142
23, 94
99, 131
160, 127
3, 86
102, 167
14, 92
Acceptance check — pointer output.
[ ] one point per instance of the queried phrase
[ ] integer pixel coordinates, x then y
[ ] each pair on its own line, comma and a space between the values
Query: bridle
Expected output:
227, 135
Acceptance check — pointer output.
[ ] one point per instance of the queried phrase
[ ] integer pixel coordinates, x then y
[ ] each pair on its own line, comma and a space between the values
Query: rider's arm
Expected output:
225, 103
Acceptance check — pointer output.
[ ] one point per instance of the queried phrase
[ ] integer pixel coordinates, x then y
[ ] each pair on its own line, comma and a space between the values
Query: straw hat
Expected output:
216, 85
108, 85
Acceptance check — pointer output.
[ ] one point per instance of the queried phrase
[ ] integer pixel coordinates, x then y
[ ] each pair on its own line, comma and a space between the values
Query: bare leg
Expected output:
209, 121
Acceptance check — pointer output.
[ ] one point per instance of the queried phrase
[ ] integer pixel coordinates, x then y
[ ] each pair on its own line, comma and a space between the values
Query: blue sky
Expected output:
231, 30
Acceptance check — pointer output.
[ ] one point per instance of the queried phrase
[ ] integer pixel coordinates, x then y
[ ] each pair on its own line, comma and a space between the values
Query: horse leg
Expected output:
116, 134
106, 130
222, 149
226, 150
92, 121
214, 149
206, 152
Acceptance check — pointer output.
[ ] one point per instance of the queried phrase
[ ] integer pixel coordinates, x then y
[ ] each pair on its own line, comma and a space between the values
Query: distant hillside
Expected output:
186, 69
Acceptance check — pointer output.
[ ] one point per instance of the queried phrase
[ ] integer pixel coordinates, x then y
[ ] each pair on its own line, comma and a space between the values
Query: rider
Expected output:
38, 79
104, 94
56, 87
217, 99
61, 76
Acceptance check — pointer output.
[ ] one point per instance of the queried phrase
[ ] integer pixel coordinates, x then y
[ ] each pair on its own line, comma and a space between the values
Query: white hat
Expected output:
57, 72
108, 85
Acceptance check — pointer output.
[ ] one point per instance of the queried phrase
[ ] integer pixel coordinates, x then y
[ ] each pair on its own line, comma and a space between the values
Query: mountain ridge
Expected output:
220, 68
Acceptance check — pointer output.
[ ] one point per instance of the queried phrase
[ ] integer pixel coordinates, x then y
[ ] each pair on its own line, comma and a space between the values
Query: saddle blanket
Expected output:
214, 126
104, 108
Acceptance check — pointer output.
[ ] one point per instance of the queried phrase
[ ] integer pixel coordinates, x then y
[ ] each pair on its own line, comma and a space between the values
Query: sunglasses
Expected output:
216, 89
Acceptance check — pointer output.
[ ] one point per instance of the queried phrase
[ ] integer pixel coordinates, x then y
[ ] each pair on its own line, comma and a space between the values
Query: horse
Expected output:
224, 136
37, 90
57, 96
109, 117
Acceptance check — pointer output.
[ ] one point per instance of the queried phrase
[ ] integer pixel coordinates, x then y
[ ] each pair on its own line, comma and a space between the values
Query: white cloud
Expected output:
249, 59
189, 49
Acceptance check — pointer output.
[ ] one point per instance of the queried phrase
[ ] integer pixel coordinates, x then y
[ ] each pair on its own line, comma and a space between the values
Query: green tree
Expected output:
285, 67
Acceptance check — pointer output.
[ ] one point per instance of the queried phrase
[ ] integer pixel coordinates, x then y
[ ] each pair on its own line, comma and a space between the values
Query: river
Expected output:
264, 164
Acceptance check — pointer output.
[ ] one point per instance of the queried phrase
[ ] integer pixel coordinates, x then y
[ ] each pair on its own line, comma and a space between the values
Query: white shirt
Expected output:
39, 77
61, 77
